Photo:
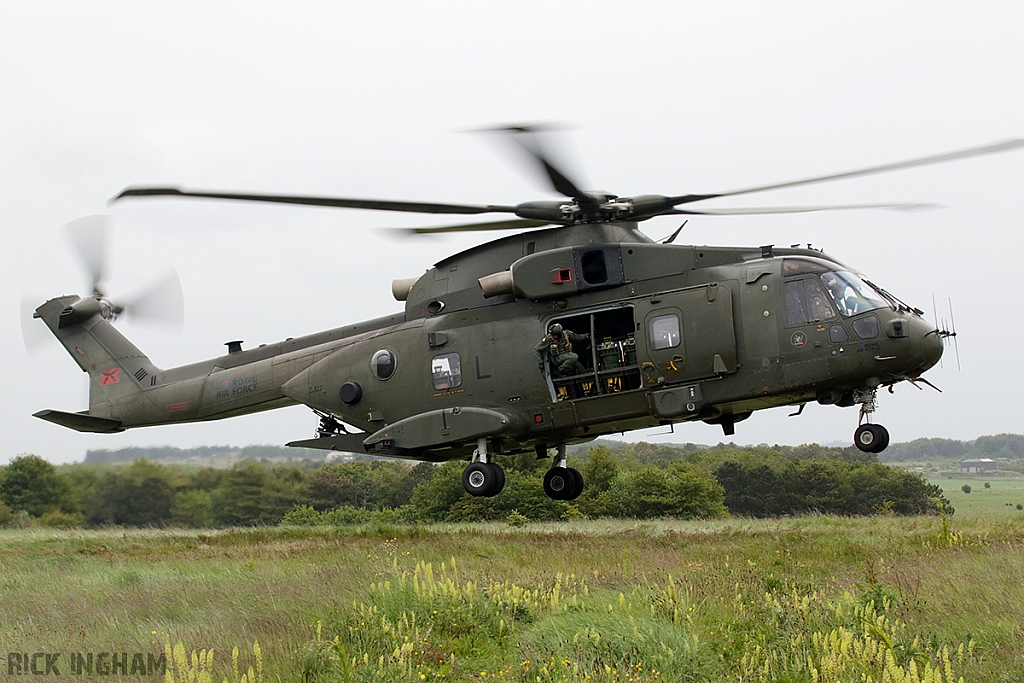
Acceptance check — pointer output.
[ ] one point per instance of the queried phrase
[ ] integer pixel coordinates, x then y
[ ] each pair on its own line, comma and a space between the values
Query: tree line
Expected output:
998, 446
636, 481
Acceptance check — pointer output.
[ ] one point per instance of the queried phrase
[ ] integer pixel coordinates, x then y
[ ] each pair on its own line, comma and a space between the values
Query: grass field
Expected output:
589, 600
1005, 493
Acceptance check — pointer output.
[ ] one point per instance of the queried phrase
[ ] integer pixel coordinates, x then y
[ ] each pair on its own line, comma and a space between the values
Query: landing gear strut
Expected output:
869, 437
328, 426
483, 478
561, 482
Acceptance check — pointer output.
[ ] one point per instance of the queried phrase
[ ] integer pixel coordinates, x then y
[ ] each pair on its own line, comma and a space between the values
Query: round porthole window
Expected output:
383, 364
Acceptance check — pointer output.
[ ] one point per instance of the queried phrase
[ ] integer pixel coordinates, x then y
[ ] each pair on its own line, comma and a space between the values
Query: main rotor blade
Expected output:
514, 224
753, 210
526, 137
338, 202
89, 236
1004, 146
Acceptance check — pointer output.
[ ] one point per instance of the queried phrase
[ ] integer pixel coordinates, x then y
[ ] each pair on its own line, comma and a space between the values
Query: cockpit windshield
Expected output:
851, 294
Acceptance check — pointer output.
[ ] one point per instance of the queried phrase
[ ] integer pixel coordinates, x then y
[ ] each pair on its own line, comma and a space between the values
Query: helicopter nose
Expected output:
927, 344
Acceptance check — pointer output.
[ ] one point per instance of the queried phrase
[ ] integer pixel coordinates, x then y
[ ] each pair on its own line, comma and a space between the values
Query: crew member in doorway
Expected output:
558, 345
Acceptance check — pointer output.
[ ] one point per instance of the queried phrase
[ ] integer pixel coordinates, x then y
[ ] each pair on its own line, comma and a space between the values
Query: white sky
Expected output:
663, 97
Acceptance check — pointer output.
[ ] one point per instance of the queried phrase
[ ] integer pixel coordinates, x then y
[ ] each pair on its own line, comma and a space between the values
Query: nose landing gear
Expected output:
483, 478
561, 482
869, 437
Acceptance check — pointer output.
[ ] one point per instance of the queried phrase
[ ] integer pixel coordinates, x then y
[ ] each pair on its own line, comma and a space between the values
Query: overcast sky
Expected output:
666, 97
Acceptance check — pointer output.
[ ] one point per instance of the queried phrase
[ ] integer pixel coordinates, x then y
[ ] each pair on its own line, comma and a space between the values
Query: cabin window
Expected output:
867, 327
446, 371
663, 331
383, 364
838, 334
806, 302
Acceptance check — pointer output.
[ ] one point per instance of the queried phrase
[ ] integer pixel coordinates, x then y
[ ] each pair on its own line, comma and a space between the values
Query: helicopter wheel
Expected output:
499, 481
871, 438
563, 483
578, 480
483, 479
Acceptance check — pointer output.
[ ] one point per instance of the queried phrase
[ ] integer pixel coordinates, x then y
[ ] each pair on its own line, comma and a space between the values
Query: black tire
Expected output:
577, 484
478, 479
883, 438
499, 479
558, 482
870, 439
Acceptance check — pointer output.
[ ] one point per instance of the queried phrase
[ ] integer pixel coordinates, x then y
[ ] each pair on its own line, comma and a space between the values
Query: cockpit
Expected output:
824, 291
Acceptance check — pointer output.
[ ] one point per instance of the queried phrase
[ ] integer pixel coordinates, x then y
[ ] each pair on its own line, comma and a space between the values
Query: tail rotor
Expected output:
161, 302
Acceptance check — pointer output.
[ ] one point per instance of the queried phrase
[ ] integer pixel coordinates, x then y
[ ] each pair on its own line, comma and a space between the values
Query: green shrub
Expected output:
6, 516
61, 520
302, 515
515, 519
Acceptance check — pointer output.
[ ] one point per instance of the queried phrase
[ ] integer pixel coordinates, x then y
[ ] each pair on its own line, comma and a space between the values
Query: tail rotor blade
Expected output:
162, 303
34, 333
89, 236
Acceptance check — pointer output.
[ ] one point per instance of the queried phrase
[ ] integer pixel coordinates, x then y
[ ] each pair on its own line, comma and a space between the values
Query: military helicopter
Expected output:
630, 334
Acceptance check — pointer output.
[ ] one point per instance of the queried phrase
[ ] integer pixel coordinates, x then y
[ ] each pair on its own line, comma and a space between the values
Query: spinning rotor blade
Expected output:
799, 209
526, 138
1004, 146
33, 332
514, 224
89, 236
162, 303
338, 202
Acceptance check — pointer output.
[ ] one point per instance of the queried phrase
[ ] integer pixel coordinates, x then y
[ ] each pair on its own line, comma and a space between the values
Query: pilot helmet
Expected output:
555, 329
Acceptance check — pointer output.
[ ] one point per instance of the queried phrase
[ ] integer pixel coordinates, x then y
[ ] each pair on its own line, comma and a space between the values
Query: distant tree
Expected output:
251, 494
999, 445
754, 490
600, 469
966, 488
433, 499
988, 485
680, 490
32, 484
372, 485
193, 509
139, 495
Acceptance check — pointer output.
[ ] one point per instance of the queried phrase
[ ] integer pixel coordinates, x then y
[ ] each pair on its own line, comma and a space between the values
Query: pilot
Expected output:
558, 344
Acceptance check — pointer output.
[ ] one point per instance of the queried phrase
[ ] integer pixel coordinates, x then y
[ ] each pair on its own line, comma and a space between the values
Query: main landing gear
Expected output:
561, 482
483, 478
869, 437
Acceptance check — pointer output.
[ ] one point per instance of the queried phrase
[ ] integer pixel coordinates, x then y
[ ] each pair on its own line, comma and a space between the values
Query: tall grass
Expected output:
802, 599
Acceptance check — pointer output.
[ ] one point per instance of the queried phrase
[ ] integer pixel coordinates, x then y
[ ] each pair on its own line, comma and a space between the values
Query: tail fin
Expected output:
117, 369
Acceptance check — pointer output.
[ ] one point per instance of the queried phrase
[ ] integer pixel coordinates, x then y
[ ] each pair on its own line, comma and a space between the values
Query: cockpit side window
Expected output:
851, 294
806, 302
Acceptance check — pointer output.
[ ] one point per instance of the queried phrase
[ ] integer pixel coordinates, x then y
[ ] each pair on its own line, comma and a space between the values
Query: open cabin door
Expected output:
686, 335
608, 355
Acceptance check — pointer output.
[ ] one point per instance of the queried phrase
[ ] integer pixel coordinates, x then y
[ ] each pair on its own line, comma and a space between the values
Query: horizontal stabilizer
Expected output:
349, 443
81, 422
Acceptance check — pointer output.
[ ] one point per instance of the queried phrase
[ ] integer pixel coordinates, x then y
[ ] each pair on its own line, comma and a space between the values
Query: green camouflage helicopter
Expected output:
629, 334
